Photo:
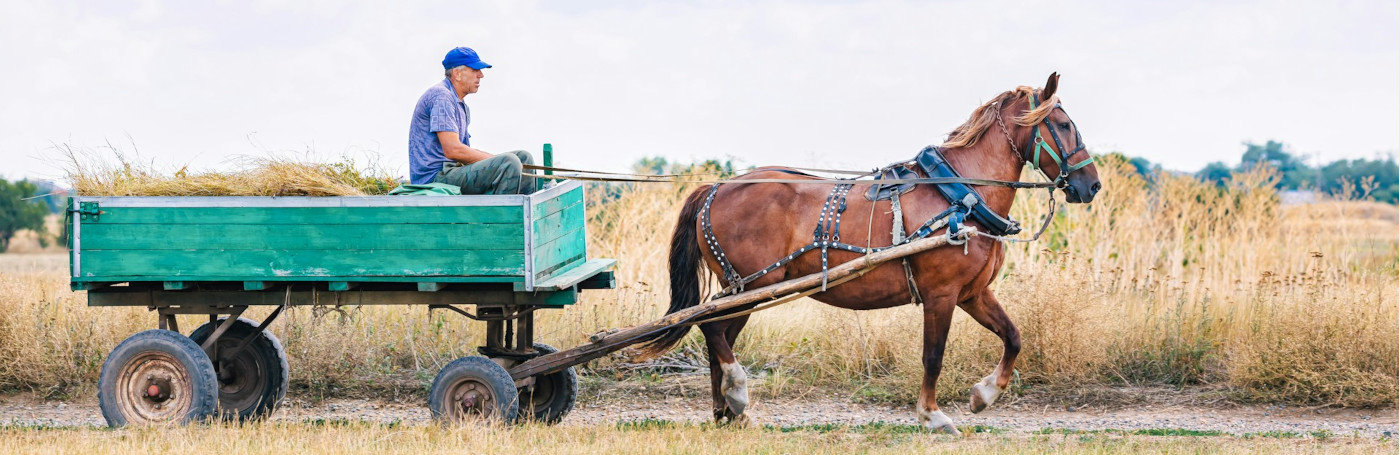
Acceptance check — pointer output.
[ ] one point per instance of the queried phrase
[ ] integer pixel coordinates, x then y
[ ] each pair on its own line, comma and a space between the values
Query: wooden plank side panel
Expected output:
404, 236
559, 234
558, 254
557, 203
310, 215
194, 265
559, 223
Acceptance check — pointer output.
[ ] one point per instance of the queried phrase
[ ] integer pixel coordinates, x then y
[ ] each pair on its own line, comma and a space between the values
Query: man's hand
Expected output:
455, 150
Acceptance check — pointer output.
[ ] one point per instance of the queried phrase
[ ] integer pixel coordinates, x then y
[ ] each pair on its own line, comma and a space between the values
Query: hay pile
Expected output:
92, 176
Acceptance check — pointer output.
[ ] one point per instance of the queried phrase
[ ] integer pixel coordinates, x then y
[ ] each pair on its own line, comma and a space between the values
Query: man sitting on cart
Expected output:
439, 147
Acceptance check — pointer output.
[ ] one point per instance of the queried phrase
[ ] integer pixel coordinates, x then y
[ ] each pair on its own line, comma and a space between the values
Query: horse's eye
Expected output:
1064, 126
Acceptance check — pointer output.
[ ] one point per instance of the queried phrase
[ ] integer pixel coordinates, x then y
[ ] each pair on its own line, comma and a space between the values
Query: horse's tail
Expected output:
685, 275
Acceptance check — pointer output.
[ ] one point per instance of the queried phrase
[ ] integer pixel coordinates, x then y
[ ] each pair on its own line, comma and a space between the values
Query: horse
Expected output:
759, 223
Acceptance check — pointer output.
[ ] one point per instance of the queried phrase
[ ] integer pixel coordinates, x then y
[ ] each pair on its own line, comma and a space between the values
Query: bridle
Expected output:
1038, 144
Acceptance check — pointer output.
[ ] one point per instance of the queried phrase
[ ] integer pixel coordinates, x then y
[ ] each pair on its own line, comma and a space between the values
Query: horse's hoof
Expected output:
744, 421
735, 388
737, 404
984, 393
937, 422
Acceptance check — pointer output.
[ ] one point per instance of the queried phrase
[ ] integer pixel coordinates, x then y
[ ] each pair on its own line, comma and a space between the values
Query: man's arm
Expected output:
455, 150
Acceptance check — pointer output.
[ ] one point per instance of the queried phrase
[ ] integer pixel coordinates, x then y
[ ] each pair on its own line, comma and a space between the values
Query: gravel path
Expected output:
817, 409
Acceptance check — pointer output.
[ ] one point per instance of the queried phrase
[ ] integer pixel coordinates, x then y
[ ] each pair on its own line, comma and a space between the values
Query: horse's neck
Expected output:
988, 161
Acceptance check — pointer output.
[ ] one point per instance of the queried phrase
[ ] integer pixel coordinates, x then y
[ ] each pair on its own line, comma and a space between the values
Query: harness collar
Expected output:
935, 165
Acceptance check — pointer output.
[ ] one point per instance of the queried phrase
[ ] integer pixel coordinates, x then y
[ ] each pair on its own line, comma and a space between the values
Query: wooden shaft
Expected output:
619, 339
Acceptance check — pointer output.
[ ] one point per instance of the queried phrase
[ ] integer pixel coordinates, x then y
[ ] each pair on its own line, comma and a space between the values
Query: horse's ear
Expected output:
1050, 85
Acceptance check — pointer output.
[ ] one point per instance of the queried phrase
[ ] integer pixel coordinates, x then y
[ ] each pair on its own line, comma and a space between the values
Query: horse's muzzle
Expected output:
1076, 193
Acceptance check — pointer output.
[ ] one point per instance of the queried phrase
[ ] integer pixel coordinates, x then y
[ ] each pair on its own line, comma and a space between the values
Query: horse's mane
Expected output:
985, 117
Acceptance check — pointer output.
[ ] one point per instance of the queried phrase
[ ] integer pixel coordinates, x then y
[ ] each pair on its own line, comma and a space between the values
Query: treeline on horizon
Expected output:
1373, 179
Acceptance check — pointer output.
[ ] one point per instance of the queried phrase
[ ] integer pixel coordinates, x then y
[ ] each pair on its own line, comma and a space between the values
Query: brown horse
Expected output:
759, 223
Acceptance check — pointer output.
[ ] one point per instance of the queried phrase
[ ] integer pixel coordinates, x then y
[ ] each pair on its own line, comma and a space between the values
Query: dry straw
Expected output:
123, 175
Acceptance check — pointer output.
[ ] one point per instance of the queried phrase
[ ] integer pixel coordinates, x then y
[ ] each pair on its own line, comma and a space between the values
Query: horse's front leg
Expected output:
938, 316
987, 311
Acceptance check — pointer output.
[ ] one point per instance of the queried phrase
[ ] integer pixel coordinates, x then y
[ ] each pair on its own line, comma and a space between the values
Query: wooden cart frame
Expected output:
506, 255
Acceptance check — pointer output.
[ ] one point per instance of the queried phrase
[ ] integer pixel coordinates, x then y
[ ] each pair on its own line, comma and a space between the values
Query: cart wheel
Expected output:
552, 396
252, 384
157, 376
473, 387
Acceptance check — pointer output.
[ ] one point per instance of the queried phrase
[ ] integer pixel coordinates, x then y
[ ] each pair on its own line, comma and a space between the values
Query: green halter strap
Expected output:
1038, 143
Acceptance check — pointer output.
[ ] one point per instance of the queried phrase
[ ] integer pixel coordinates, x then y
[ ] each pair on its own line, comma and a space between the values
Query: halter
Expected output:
1038, 143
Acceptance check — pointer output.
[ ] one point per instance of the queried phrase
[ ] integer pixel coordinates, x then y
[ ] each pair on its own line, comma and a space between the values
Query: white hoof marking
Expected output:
937, 422
735, 387
985, 393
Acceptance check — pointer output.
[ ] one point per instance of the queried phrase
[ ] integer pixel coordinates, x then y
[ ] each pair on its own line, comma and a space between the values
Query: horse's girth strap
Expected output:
897, 237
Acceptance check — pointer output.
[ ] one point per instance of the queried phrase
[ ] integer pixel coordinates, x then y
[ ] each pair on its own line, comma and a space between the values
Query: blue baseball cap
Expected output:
463, 56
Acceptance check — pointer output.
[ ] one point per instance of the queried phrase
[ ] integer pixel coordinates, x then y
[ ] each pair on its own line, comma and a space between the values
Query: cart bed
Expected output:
518, 243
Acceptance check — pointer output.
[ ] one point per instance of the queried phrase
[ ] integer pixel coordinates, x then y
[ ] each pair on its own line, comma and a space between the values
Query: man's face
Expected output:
468, 78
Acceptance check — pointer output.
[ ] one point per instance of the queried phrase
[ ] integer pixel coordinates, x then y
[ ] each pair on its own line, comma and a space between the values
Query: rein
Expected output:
643, 178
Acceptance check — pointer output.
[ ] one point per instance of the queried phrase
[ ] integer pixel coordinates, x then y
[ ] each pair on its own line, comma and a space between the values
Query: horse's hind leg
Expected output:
736, 381
938, 316
987, 311
728, 381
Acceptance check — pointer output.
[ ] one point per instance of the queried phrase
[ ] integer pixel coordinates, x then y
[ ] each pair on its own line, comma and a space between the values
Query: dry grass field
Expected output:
644, 438
1173, 284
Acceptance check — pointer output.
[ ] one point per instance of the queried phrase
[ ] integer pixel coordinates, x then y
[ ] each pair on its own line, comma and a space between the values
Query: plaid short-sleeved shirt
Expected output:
439, 109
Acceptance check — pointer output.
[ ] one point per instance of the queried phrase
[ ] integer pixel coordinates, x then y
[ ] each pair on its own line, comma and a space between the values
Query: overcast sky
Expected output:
830, 83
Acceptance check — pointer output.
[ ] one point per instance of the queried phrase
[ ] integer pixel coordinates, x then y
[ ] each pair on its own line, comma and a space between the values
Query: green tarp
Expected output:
429, 189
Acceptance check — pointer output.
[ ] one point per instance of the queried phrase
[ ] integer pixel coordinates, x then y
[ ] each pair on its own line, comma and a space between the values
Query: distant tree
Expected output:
725, 168
1383, 175
1293, 172
1216, 172
659, 165
650, 165
18, 212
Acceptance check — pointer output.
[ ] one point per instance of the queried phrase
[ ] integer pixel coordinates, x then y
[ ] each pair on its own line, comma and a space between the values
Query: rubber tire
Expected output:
482, 370
565, 387
270, 353
204, 395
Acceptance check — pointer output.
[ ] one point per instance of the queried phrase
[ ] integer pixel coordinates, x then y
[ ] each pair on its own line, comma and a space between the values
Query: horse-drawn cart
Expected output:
507, 255
512, 255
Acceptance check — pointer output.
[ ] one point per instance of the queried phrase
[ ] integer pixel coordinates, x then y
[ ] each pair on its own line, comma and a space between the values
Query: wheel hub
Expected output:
155, 388
472, 399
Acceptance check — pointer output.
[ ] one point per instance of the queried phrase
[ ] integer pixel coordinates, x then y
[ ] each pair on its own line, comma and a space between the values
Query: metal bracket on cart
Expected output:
510, 333
210, 345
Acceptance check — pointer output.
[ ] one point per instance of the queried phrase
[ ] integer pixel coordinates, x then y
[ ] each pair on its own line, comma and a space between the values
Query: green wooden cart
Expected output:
506, 255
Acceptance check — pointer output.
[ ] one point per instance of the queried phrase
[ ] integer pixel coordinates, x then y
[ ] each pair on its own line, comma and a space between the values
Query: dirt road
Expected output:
1020, 416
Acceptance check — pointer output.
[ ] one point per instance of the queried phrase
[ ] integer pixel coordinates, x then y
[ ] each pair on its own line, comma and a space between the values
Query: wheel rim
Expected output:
469, 398
154, 387
242, 379
542, 393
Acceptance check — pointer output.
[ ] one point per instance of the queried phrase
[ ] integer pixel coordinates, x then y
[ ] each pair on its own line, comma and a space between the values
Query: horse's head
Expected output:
1054, 146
